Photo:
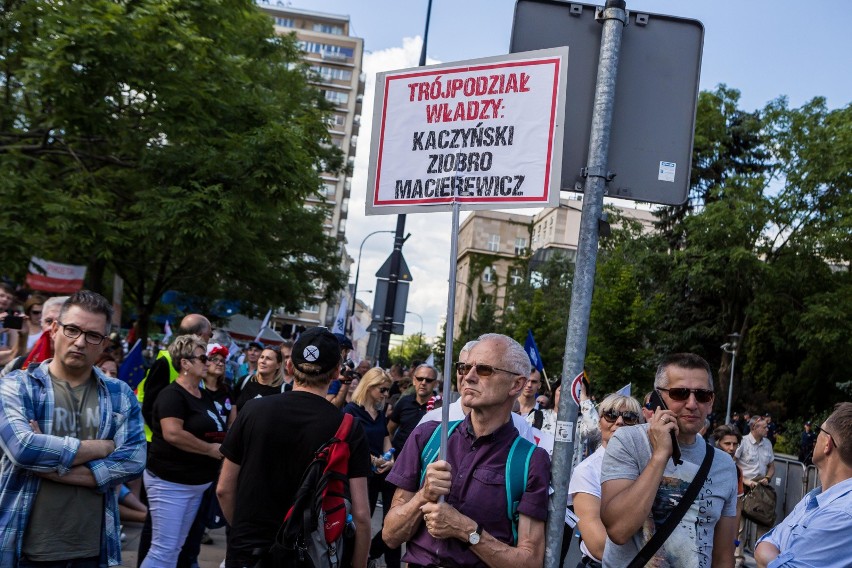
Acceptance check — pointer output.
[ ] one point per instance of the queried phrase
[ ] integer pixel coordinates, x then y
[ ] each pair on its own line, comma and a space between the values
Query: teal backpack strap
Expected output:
517, 474
433, 447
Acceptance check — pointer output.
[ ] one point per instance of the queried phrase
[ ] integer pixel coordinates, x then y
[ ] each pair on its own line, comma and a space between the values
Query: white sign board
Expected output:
486, 133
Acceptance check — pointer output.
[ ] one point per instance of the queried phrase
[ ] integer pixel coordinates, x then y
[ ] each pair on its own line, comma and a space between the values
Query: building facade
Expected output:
497, 249
335, 60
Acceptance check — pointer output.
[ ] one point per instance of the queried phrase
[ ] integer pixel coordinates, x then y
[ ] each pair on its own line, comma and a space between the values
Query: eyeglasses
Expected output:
830, 437
482, 369
202, 358
681, 394
425, 379
629, 418
35, 312
73, 332
384, 390
47, 321
216, 361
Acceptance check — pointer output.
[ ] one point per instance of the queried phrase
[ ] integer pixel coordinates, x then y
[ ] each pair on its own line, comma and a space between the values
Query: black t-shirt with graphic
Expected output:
200, 419
273, 441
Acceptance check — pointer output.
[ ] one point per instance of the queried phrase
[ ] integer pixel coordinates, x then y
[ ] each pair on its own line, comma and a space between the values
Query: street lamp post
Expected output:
419, 337
358, 270
731, 347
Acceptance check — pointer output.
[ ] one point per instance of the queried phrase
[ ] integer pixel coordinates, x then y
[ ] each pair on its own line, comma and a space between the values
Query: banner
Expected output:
55, 277
486, 133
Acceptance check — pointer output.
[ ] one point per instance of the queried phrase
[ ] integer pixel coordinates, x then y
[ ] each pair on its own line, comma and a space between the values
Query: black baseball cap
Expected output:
317, 346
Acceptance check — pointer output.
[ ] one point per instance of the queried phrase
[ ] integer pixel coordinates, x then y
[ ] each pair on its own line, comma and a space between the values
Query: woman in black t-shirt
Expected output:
184, 455
269, 378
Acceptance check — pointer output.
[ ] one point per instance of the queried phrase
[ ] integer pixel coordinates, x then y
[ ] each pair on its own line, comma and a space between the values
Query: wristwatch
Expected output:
473, 538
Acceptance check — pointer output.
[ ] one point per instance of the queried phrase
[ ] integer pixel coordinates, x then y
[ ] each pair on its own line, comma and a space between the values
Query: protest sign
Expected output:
485, 133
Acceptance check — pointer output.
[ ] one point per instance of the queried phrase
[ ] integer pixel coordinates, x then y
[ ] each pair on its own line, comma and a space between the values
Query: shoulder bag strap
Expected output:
651, 547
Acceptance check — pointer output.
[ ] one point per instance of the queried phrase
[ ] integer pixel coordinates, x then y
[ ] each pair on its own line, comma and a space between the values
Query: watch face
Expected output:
473, 538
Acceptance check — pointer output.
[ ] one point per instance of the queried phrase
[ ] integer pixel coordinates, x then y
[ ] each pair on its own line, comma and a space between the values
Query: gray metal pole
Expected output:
614, 18
448, 333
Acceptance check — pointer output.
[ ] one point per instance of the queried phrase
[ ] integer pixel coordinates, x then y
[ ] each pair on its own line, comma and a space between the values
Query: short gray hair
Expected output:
515, 358
422, 365
468, 346
682, 361
616, 402
53, 303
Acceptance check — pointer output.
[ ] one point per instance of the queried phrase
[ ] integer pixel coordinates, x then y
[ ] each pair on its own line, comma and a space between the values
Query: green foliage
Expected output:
413, 349
172, 143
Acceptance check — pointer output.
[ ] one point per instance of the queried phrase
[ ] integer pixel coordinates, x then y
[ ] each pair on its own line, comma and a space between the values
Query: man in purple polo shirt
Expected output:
472, 528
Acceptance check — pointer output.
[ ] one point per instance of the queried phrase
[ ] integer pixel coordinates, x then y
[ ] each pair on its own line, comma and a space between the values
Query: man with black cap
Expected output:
271, 444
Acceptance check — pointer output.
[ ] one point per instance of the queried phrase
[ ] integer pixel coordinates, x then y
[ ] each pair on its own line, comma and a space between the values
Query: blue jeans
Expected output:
92, 562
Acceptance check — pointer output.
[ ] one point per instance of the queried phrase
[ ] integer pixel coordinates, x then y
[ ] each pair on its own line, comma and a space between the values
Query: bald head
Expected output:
196, 324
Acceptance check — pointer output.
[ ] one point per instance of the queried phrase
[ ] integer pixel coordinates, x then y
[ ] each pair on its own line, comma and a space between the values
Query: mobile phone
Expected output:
655, 401
13, 322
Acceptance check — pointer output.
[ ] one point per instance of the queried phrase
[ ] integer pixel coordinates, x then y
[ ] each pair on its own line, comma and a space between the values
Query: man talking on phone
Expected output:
641, 485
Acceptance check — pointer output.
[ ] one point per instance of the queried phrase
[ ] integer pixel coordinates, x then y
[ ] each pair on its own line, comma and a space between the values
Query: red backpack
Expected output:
313, 530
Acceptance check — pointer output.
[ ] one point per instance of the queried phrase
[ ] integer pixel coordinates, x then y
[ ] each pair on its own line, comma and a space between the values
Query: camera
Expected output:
348, 372
13, 322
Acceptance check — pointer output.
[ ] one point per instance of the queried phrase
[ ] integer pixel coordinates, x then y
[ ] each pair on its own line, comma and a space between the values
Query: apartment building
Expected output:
335, 58
495, 249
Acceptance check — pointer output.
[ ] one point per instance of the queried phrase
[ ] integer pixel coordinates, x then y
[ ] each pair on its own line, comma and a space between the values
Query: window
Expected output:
328, 29
284, 22
489, 275
494, 243
520, 246
516, 276
310, 308
336, 97
328, 189
332, 73
327, 50
336, 120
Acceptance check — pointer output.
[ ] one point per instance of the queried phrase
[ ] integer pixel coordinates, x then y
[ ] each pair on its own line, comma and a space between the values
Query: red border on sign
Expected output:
555, 61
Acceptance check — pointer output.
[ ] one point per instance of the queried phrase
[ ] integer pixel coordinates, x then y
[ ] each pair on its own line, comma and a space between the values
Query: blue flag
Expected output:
132, 369
625, 390
532, 352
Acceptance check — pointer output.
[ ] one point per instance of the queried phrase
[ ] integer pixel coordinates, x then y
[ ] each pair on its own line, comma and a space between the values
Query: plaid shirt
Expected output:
28, 395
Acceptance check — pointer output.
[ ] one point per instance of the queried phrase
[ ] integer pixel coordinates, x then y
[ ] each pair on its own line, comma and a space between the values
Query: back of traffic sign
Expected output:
655, 96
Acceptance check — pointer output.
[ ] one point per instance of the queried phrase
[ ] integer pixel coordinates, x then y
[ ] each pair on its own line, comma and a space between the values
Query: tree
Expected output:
412, 349
171, 143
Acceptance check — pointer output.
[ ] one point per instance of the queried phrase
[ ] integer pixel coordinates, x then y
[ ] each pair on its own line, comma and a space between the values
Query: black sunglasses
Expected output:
425, 379
202, 358
830, 437
681, 394
629, 418
384, 390
482, 369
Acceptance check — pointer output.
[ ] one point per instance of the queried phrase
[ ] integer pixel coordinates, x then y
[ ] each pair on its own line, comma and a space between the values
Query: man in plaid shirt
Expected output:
69, 435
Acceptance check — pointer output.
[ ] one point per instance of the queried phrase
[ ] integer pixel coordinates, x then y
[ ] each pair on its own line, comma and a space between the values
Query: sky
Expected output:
763, 48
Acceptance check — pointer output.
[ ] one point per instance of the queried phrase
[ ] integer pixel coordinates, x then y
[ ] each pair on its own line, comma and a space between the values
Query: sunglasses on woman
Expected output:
384, 390
629, 418
202, 358
681, 394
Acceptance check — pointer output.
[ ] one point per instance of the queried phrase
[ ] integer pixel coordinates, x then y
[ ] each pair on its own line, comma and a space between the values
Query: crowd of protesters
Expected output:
220, 436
